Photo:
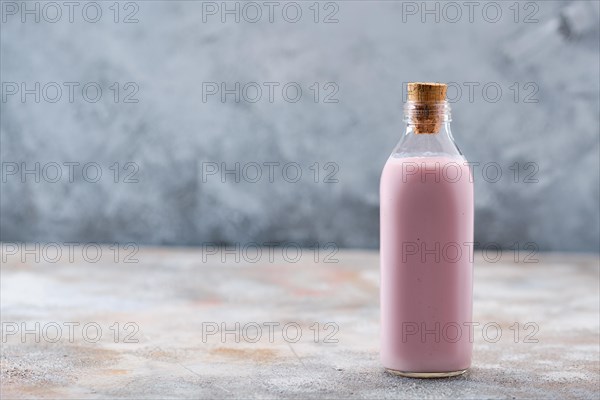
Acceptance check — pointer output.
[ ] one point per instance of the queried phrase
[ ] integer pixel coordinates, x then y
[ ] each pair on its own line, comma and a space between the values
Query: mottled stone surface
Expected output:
169, 293
551, 52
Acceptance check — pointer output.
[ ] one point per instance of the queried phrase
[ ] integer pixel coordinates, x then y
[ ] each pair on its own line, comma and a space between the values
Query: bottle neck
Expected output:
427, 131
427, 117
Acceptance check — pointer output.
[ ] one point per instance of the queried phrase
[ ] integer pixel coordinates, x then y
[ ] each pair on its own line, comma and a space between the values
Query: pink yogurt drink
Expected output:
426, 196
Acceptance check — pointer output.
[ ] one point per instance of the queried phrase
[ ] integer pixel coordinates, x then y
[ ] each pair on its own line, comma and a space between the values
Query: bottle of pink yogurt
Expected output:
426, 199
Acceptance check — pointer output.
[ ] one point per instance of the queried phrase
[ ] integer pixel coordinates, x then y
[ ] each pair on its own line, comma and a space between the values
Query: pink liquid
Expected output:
426, 264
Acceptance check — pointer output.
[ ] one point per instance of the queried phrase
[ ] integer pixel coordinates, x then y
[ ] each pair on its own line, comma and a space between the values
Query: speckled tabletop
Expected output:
181, 323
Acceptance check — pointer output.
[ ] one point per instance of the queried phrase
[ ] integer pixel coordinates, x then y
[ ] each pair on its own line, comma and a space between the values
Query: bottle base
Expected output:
426, 375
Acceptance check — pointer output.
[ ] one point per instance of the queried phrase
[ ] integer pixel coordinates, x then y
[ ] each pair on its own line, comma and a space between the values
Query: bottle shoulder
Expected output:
439, 144
426, 169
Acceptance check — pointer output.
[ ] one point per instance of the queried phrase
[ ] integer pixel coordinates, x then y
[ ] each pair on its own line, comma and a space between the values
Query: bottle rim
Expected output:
415, 111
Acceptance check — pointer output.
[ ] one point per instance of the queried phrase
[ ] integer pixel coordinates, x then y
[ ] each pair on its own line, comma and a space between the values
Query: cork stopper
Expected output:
426, 111
426, 92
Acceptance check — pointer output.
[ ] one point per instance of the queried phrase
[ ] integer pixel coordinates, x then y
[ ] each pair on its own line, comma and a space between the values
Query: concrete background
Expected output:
171, 293
373, 48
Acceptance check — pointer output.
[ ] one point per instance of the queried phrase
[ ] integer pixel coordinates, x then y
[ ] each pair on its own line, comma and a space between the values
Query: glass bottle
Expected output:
426, 195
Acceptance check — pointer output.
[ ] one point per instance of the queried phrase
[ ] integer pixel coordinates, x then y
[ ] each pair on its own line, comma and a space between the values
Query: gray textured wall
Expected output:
373, 48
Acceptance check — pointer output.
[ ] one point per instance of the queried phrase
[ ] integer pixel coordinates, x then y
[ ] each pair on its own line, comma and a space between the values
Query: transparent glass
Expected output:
440, 143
